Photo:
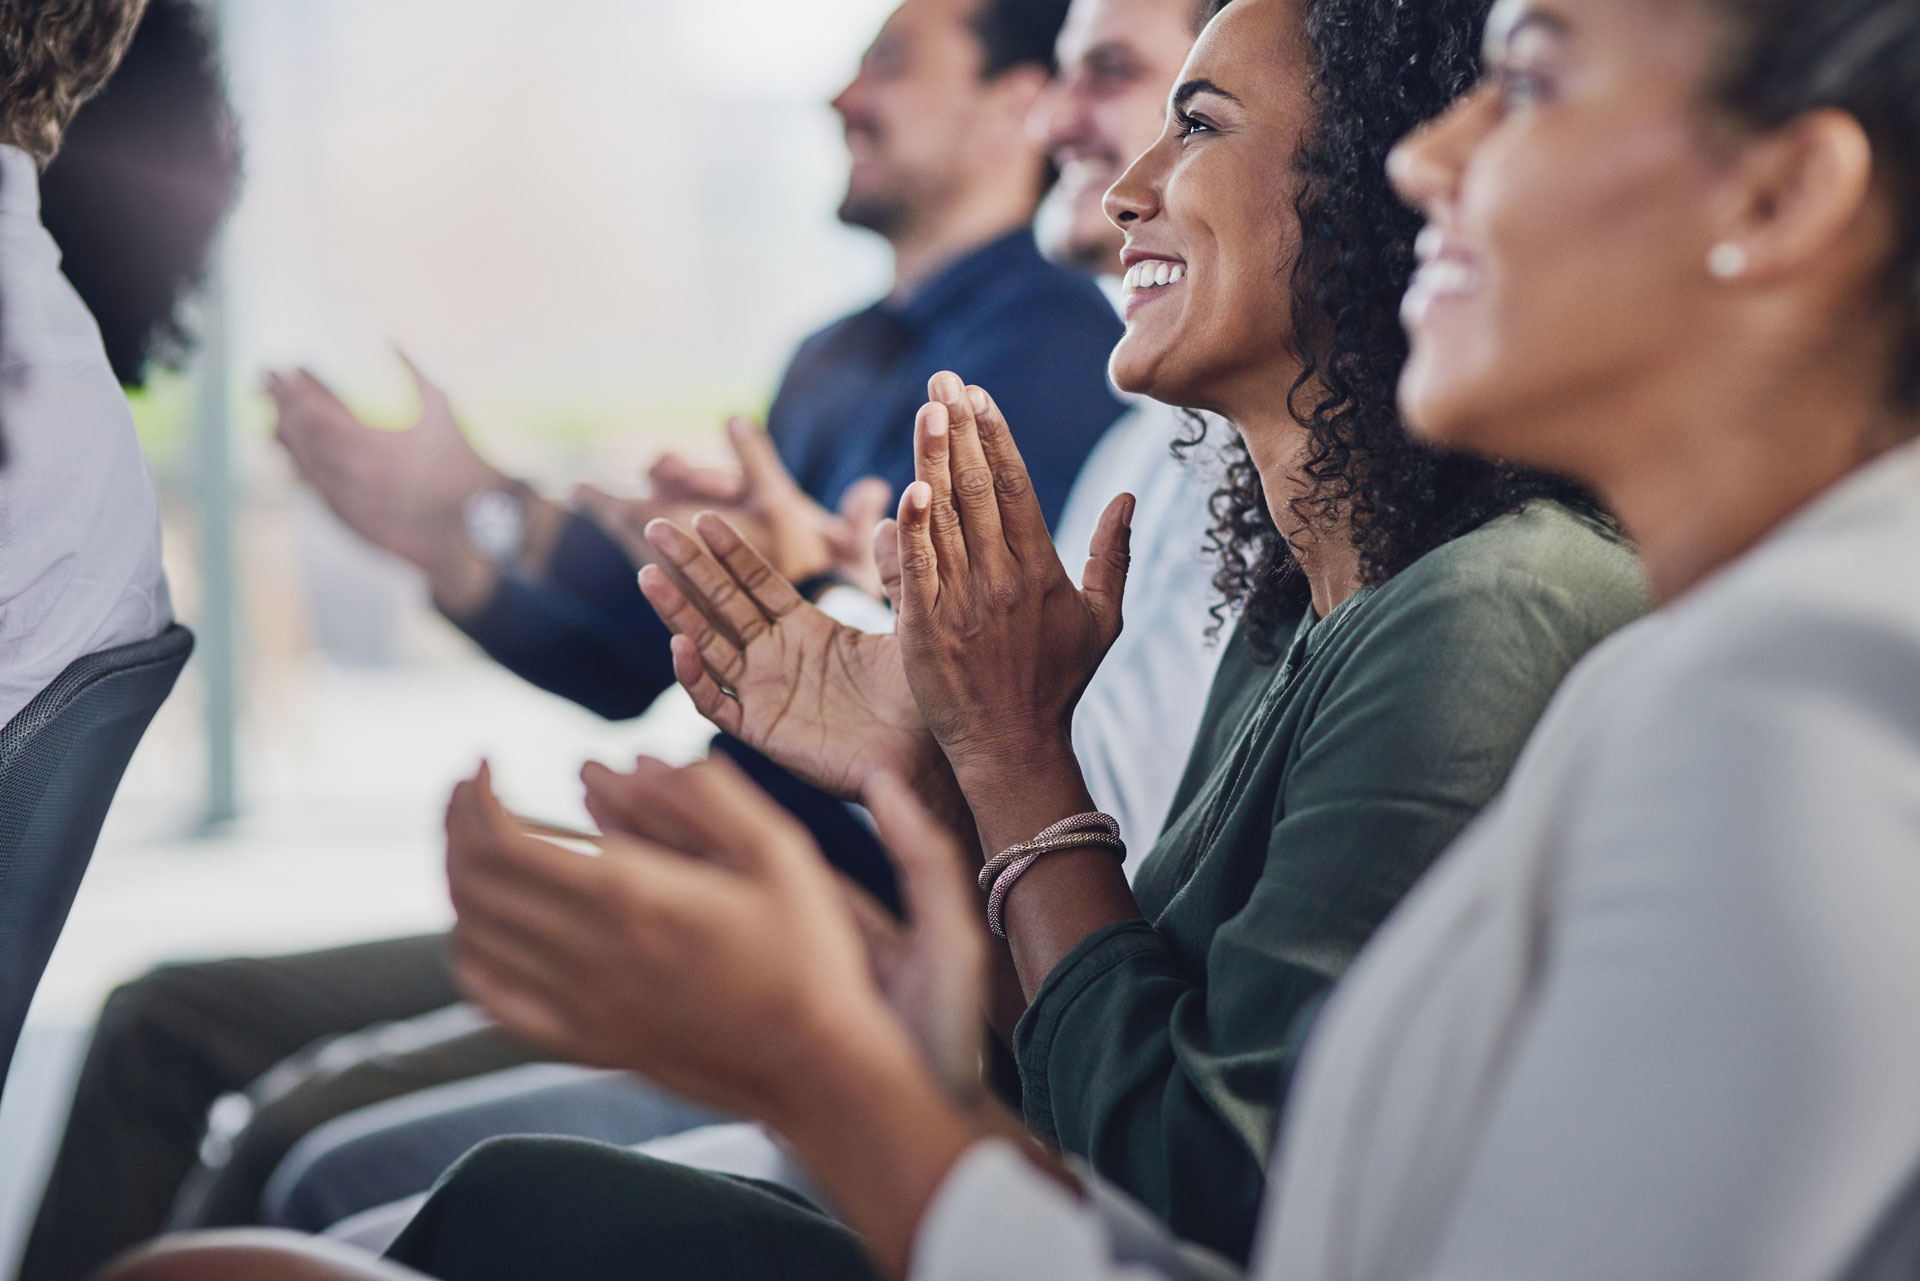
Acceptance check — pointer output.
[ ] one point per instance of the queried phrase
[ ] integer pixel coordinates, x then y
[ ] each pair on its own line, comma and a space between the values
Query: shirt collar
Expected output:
1891, 480
1013, 253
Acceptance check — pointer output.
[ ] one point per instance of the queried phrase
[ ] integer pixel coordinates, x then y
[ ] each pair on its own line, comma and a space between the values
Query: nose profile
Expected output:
846, 103
1135, 198
1426, 166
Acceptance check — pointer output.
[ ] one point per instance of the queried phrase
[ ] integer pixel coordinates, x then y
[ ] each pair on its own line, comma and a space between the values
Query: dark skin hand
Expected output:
710, 947
994, 649
828, 702
998, 646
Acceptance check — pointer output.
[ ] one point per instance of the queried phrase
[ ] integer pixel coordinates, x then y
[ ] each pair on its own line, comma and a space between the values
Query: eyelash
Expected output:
1520, 87
1190, 126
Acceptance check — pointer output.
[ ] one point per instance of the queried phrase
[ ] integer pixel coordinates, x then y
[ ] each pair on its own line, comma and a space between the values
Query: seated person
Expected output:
557, 602
78, 515
1650, 1017
136, 184
1408, 613
1118, 62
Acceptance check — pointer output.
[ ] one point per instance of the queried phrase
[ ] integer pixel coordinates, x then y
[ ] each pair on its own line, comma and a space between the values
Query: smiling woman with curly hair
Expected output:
1401, 497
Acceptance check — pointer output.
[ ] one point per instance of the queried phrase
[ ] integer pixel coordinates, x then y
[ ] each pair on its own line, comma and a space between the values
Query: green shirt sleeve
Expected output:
1160, 1052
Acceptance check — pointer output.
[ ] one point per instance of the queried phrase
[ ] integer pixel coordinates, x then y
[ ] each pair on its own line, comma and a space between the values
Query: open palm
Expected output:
403, 490
830, 703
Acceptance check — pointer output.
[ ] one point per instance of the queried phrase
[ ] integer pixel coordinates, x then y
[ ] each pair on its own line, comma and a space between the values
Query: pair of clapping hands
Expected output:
404, 491
709, 945
993, 647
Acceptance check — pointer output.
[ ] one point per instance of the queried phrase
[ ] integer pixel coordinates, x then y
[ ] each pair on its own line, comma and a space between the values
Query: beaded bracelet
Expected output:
1087, 829
1082, 831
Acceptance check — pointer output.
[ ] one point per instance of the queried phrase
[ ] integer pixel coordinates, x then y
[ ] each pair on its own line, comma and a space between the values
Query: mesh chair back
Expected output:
61, 760
1893, 1252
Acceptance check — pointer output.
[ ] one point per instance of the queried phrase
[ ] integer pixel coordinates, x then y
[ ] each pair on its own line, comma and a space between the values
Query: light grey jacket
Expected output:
1656, 1015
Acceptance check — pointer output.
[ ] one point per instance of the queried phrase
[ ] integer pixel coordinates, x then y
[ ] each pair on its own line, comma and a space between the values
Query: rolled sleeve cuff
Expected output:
997, 1218
1099, 955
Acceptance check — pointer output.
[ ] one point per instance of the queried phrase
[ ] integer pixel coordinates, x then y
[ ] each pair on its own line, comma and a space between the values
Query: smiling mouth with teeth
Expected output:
1153, 275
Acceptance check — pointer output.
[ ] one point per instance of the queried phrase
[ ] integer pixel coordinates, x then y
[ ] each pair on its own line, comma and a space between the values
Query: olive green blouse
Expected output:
1320, 787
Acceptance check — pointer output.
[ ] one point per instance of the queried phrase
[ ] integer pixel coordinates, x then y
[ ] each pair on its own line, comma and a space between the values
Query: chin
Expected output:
1140, 369
1439, 403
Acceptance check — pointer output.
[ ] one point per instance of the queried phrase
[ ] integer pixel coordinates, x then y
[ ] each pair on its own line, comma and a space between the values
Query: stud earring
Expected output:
1728, 261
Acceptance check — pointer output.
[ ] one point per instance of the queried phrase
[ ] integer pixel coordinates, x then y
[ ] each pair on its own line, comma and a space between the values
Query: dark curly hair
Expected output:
1382, 69
138, 193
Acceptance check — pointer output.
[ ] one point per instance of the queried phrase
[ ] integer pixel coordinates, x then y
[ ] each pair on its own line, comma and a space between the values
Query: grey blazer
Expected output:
1656, 1015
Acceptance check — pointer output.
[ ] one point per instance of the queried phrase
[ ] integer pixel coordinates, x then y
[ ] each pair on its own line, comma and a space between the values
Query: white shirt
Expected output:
79, 521
1656, 1015
1136, 723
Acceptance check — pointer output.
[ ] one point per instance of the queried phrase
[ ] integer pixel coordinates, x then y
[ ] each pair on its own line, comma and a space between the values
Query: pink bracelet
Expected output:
997, 900
1096, 828
1083, 831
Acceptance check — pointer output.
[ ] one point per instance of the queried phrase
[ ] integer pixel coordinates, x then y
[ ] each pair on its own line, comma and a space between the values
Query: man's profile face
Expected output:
908, 114
1119, 61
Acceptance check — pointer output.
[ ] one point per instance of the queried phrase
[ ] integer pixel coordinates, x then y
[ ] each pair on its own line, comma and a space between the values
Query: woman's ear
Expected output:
1801, 193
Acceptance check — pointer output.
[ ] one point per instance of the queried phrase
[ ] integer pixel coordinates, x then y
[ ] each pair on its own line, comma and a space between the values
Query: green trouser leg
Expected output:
539, 1209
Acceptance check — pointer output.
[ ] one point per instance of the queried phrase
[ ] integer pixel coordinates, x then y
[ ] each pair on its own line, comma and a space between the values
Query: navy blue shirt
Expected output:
1035, 335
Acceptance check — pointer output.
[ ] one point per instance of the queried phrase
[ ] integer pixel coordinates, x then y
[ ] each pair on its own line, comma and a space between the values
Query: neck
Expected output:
1695, 517
1323, 546
944, 235
1738, 452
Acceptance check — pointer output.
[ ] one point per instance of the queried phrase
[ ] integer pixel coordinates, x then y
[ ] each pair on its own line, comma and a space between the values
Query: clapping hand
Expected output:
710, 946
998, 642
829, 703
798, 536
400, 490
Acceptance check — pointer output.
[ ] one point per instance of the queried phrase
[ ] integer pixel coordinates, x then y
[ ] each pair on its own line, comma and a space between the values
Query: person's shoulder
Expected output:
833, 329
1823, 611
1063, 291
1542, 564
1019, 286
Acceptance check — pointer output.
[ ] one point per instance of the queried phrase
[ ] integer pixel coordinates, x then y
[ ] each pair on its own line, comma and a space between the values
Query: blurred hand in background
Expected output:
403, 491
800, 538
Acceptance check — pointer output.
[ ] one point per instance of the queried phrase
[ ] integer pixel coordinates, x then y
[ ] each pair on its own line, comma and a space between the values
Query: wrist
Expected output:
880, 1137
461, 582
1020, 787
848, 1060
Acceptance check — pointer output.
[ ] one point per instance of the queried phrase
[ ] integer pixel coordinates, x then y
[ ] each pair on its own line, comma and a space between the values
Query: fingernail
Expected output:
937, 421
920, 495
949, 388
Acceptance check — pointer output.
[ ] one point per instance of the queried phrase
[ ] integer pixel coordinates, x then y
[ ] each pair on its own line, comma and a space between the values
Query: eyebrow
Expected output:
1194, 88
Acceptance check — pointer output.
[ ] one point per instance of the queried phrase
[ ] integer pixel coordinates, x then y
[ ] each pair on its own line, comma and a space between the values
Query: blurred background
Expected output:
602, 225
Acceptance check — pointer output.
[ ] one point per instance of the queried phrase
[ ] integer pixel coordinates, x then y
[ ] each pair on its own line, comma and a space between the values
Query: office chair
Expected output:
61, 760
